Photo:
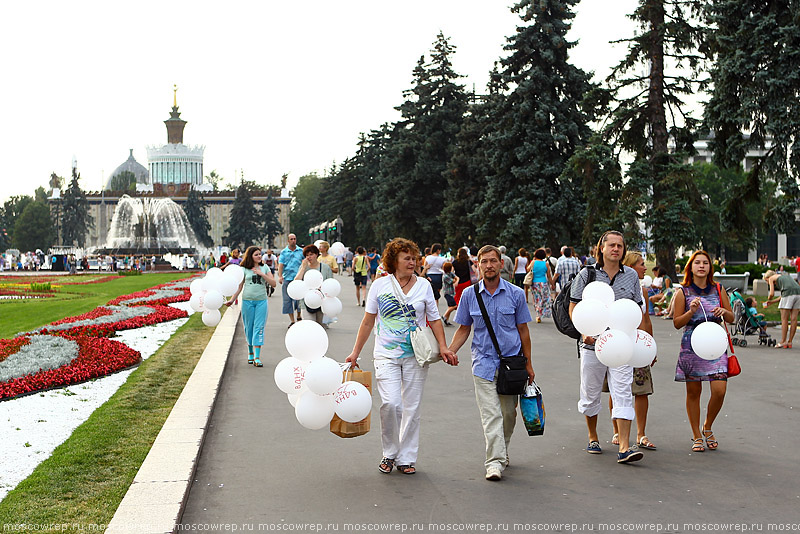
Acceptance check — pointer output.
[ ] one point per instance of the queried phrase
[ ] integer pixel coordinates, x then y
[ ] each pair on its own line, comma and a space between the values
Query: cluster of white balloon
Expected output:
314, 383
614, 323
209, 292
317, 293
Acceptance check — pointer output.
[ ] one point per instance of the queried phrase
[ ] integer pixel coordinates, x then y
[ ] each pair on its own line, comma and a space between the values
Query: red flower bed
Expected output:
6, 292
94, 314
160, 314
96, 357
10, 346
57, 280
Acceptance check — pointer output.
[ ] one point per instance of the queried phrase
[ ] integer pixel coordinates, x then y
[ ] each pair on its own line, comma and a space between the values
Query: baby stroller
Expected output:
746, 324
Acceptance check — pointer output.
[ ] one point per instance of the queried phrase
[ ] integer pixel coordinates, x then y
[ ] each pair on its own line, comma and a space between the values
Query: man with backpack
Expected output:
624, 281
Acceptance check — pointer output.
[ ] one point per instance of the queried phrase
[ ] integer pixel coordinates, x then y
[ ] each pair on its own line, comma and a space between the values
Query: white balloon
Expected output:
197, 286
314, 411
647, 281
709, 340
337, 248
331, 287
306, 341
196, 302
229, 284
353, 402
290, 376
599, 291
213, 300
590, 317
324, 376
235, 271
211, 317
297, 289
331, 306
625, 315
317, 242
293, 398
313, 279
644, 349
614, 348
313, 298
213, 273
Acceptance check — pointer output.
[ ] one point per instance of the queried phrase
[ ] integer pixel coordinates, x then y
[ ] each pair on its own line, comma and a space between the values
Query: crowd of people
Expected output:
486, 294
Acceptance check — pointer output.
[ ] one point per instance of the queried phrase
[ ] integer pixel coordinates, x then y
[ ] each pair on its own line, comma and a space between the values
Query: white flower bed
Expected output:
121, 313
33, 426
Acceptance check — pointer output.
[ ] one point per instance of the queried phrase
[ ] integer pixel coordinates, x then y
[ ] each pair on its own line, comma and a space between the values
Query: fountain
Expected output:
149, 226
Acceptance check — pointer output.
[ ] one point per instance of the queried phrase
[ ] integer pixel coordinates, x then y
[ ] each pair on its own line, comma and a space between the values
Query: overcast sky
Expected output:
268, 87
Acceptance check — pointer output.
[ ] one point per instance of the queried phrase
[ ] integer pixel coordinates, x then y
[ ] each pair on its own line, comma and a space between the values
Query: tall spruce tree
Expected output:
538, 127
195, 210
243, 228
75, 213
270, 220
649, 112
411, 184
754, 105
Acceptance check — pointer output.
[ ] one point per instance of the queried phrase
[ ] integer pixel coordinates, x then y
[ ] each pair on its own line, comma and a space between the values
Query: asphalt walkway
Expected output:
260, 470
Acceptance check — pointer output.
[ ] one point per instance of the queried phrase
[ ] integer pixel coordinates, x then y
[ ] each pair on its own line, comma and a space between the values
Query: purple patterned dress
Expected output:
691, 367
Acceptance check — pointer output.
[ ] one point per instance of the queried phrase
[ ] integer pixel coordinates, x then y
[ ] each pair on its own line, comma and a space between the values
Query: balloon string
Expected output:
704, 310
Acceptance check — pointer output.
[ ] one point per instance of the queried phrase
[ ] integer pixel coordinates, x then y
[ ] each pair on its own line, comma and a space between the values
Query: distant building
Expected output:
135, 168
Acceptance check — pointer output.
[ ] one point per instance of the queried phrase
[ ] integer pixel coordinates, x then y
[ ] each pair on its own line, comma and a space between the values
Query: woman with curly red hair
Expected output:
402, 302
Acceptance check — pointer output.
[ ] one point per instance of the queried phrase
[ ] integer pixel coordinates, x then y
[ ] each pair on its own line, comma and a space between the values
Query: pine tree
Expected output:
195, 210
75, 214
668, 49
754, 105
34, 228
243, 228
411, 185
270, 221
539, 125
124, 181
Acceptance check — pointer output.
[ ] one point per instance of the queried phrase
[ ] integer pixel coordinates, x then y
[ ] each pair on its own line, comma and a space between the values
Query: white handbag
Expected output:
426, 348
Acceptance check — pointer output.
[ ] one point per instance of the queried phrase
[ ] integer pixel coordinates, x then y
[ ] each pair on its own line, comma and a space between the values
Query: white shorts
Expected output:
789, 302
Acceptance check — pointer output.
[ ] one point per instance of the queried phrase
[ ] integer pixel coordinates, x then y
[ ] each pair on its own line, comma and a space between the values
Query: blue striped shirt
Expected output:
506, 309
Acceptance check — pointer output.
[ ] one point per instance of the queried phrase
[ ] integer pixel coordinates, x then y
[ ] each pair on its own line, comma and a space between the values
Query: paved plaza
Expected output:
259, 469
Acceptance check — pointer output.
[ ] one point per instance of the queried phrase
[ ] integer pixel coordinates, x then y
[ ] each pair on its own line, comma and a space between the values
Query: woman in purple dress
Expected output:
707, 301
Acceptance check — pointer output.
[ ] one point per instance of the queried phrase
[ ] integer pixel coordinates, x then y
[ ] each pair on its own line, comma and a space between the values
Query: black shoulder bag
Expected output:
512, 375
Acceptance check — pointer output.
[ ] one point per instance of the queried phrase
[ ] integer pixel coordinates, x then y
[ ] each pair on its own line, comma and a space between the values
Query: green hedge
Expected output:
131, 272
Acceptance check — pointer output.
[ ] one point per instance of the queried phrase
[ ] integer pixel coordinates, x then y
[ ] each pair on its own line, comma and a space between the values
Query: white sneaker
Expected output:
493, 473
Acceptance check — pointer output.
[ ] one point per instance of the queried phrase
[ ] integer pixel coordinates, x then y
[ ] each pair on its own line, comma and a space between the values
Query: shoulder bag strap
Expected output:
486, 319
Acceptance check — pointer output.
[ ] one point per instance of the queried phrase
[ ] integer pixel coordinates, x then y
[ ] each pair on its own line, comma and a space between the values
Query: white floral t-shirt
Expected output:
394, 324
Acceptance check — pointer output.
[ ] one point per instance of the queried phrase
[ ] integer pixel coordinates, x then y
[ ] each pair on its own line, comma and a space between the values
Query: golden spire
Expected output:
175, 95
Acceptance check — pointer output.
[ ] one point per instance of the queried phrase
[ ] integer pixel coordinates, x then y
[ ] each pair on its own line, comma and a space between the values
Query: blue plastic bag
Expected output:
531, 404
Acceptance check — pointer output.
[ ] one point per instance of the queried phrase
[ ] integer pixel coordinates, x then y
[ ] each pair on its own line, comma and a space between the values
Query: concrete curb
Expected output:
154, 501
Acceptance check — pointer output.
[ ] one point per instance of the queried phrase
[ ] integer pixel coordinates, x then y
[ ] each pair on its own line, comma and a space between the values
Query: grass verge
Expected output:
23, 315
87, 476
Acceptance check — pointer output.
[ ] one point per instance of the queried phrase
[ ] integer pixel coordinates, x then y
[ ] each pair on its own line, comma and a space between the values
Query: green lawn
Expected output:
23, 315
87, 476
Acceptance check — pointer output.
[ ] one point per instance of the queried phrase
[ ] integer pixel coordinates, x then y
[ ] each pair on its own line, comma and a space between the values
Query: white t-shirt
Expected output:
394, 325
435, 263
658, 282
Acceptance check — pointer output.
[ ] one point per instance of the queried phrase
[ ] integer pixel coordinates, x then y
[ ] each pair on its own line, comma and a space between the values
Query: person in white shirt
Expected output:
433, 270
399, 378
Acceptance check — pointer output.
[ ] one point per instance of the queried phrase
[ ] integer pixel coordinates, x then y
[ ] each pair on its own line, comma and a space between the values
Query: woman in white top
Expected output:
520, 267
399, 378
433, 270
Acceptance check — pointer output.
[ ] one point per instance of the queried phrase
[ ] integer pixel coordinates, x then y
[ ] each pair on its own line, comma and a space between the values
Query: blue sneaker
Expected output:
594, 448
629, 456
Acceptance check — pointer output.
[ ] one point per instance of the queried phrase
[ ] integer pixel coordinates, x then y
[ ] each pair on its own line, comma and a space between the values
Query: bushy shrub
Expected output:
130, 272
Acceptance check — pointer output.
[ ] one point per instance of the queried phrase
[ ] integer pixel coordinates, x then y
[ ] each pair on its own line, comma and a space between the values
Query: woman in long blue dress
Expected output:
707, 301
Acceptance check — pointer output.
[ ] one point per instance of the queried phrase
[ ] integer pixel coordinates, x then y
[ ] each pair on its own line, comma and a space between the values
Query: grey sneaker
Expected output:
494, 473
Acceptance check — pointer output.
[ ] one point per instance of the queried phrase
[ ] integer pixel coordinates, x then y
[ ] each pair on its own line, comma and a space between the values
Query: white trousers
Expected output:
498, 416
619, 384
400, 384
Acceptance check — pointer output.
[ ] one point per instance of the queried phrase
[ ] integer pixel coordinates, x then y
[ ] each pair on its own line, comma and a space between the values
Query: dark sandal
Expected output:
386, 465
697, 445
407, 469
711, 443
257, 363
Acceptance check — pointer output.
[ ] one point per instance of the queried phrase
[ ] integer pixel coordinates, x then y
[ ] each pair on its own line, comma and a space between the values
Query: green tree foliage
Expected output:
76, 220
754, 105
40, 195
124, 181
539, 125
12, 210
411, 184
305, 197
270, 220
33, 228
214, 179
243, 228
649, 110
195, 210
